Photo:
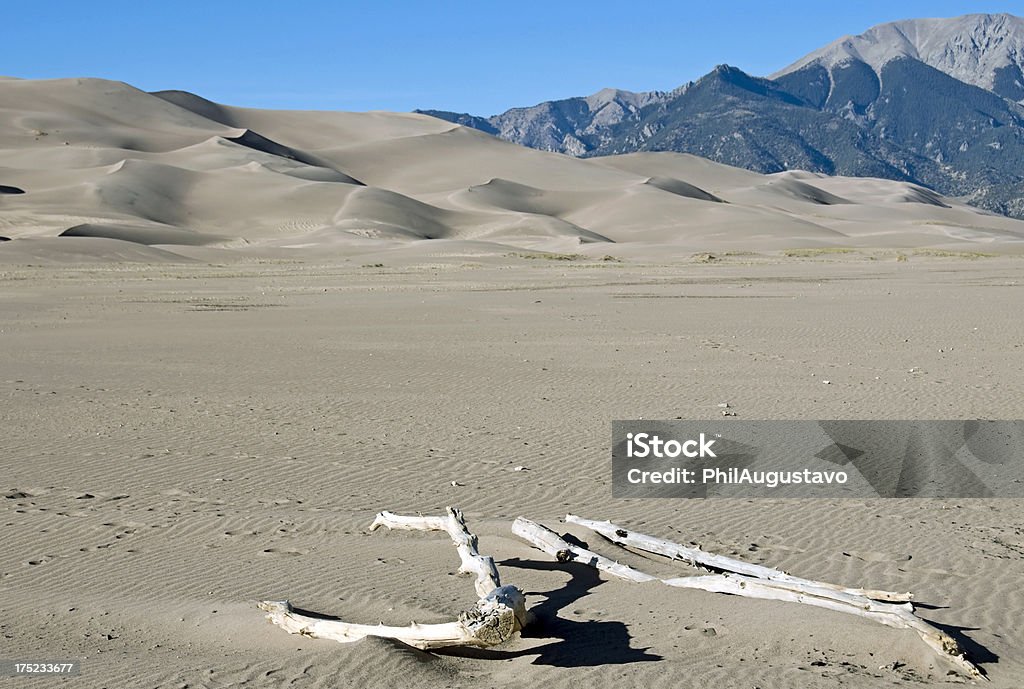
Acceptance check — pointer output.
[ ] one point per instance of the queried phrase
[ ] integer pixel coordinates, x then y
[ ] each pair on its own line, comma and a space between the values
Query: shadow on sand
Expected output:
594, 642
579, 644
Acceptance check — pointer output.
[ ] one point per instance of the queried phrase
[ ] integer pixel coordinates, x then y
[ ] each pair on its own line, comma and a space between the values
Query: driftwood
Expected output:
496, 617
501, 610
774, 587
487, 579
719, 563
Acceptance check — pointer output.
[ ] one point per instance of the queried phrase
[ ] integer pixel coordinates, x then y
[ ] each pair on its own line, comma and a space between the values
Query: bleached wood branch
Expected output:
893, 615
473, 562
555, 546
493, 620
496, 617
719, 563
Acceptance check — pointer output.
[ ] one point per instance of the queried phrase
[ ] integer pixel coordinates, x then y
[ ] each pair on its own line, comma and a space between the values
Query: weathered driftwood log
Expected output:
718, 563
490, 622
496, 617
893, 615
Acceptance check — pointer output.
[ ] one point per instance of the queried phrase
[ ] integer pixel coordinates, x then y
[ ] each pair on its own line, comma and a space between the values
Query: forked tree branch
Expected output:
496, 617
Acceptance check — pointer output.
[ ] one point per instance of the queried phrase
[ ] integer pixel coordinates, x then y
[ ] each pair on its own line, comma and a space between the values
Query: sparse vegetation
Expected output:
943, 253
547, 256
818, 251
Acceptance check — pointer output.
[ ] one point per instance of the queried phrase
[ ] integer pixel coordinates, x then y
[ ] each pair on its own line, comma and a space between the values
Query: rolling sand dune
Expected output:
148, 235
681, 188
86, 250
714, 176
189, 171
230, 337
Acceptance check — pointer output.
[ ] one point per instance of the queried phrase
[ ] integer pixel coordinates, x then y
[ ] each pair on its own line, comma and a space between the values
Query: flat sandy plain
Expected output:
184, 439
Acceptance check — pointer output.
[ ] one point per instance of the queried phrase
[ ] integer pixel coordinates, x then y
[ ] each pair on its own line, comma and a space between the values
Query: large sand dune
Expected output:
174, 169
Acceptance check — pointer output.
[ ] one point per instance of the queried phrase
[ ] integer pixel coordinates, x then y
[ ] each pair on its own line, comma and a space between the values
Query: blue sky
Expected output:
478, 57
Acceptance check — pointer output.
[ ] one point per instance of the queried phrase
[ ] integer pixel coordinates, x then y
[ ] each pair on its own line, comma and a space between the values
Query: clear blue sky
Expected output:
480, 57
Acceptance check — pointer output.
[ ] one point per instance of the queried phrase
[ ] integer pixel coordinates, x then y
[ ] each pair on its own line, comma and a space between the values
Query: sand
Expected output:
169, 170
183, 440
231, 336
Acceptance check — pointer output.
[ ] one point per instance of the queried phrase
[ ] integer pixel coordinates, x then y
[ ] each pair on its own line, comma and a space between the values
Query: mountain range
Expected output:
935, 102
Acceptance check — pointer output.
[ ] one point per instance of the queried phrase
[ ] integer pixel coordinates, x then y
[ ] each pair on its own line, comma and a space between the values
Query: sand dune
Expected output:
186, 170
198, 105
148, 235
713, 176
681, 188
83, 249
514, 196
801, 191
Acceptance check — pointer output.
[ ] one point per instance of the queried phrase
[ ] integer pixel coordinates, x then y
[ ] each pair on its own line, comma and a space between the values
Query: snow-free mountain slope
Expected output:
985, 50
935, 102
